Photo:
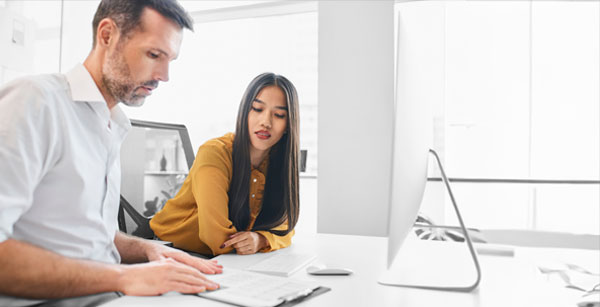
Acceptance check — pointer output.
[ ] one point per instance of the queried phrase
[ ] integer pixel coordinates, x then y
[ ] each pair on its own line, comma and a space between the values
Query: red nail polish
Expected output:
222, 246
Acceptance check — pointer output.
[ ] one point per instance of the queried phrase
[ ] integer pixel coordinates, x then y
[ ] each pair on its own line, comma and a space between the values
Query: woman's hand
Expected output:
246, 242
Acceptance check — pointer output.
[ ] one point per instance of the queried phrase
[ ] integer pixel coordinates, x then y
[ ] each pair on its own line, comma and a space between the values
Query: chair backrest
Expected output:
143, 229
155, 160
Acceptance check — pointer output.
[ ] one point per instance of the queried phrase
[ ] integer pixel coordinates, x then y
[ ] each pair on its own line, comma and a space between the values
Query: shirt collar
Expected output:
118, 117
263, 165
83, 87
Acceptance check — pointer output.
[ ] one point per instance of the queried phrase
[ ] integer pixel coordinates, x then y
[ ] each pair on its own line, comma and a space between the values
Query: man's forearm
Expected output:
29, 271
131, 249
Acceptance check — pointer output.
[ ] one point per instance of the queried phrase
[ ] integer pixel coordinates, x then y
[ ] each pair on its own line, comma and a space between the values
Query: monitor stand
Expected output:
436, 265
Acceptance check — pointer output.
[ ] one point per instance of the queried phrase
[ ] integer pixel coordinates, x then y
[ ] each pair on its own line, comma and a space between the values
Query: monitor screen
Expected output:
419, 80
420, 85
412, 136
155, 160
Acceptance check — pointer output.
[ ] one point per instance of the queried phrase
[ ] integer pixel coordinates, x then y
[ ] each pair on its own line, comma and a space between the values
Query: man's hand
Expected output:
33, 272
156, 252
161, 276
246, 242
168, 269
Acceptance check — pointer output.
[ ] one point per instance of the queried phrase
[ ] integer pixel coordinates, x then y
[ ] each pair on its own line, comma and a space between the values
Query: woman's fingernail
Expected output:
222, 246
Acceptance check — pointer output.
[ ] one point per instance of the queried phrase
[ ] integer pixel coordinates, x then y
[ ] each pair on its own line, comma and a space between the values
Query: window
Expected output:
521, 107
222, 56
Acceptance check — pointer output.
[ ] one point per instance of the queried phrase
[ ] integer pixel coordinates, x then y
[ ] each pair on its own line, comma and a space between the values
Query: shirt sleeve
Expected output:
275, 241
210, 184
26, 145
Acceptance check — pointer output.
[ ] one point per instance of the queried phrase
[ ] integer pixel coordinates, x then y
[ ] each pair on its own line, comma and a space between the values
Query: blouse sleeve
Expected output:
210, 184
275, 241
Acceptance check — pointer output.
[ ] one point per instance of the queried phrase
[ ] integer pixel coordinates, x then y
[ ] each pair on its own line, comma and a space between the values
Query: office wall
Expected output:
17, 39
77, 32
356, 103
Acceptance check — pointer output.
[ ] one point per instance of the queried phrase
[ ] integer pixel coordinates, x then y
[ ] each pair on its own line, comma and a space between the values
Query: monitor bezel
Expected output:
183, 135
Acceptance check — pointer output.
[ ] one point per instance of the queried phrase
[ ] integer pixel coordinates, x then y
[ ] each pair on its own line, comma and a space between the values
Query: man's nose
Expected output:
162, 73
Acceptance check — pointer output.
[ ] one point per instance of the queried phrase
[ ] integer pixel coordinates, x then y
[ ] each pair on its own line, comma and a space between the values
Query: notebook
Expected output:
282, 264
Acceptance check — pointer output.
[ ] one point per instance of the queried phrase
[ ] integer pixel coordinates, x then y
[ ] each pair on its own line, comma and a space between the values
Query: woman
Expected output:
242, 191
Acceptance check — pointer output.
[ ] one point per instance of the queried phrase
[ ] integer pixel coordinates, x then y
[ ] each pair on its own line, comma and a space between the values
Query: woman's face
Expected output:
267, 120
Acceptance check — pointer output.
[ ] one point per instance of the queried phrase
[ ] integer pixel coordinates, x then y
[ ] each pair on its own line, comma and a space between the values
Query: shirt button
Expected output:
254, 180
252, 195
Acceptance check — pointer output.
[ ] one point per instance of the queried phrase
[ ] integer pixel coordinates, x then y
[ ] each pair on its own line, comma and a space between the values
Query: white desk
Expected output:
506, 281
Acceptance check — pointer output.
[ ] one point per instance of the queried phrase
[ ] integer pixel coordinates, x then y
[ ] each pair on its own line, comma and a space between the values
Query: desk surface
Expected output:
506, 281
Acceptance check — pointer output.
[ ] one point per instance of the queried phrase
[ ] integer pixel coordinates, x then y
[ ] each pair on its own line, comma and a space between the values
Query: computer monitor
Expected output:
155, 160
419, 85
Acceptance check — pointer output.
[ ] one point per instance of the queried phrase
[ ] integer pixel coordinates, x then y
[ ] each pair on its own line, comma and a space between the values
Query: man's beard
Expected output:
116, 77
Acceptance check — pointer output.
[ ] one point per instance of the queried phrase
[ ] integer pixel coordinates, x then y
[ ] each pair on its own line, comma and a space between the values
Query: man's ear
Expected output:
107, 32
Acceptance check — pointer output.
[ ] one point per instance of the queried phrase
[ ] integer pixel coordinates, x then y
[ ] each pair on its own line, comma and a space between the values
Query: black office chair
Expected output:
143, 229
426, 229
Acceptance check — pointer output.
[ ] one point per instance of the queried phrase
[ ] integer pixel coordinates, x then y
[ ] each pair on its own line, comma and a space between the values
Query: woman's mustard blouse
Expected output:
197, 218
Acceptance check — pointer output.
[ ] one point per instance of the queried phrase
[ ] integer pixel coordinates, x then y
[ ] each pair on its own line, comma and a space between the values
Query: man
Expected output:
60, 138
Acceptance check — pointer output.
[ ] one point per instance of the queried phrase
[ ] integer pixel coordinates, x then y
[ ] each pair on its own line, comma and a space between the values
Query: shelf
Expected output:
165, 173
308, 175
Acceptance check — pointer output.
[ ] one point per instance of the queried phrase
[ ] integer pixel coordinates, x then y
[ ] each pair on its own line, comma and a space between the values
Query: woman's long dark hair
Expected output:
280, 200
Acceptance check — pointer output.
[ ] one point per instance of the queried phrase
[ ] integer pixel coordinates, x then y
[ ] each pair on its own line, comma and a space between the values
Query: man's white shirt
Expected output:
59, 165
